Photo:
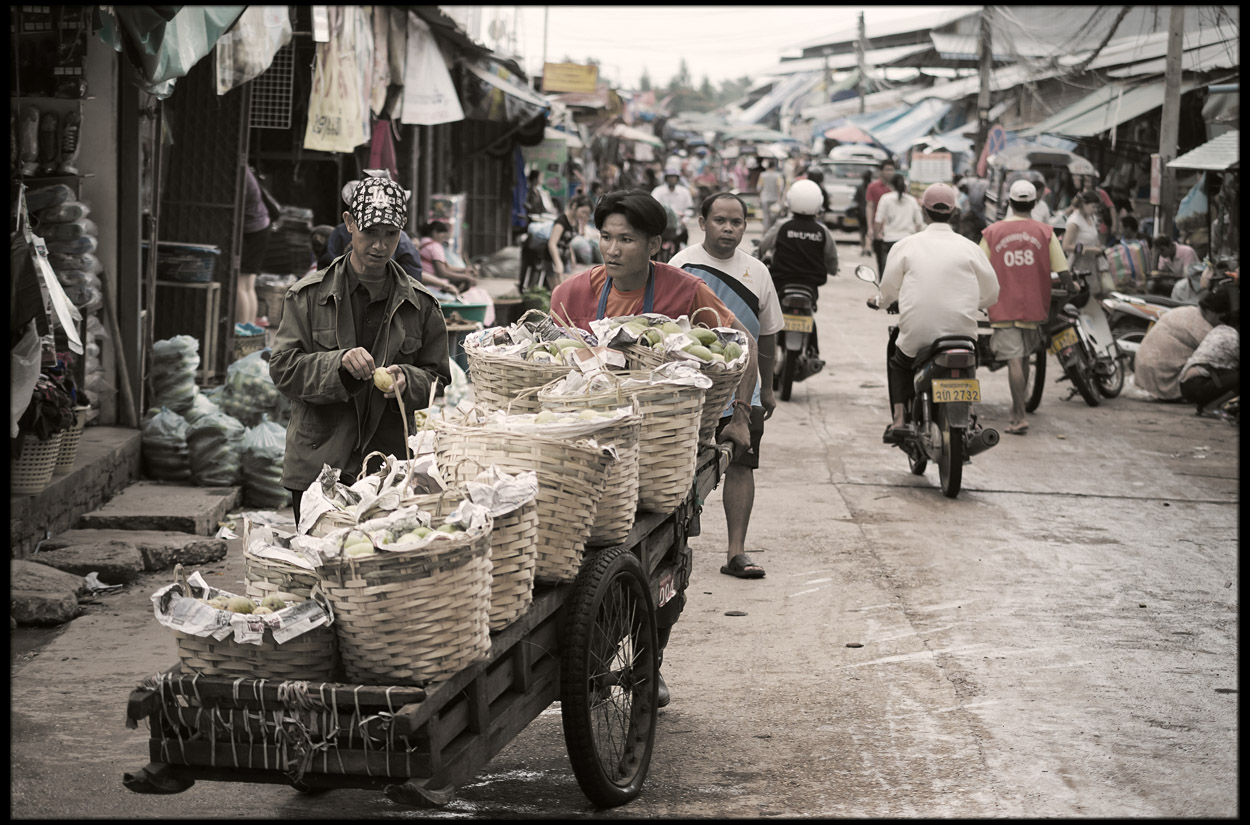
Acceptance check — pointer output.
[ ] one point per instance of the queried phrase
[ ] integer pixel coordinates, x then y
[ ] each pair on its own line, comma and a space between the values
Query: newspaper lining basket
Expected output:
33, 471
513, 558
415, 617
668, 435
439, 505
570, 482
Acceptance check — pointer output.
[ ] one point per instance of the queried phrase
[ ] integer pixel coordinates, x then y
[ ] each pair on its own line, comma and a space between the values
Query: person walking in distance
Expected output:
770, 185
883, 184
1023, 252
256, 224
745, 285
898, 215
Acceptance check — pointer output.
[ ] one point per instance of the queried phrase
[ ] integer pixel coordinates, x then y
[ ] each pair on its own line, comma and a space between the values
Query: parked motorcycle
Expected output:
1081, 338
797, 358
941, 424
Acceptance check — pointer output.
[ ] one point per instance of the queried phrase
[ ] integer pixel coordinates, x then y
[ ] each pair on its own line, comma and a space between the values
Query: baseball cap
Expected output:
1022, 190
939, 197
377, 201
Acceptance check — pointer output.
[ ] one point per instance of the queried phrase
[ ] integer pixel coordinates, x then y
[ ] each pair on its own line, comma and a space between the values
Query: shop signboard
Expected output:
570, 77
550, 158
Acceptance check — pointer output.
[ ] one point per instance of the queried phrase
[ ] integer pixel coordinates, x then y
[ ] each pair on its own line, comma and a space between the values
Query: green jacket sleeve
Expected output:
429, 363
299, 370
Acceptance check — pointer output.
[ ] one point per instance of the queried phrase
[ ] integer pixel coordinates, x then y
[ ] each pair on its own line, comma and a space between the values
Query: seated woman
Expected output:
1214, 369
434, 260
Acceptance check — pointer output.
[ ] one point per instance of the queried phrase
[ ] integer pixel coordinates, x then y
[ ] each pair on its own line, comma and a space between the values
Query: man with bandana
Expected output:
339, 324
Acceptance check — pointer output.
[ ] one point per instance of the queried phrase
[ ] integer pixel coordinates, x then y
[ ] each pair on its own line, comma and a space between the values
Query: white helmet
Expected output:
805, 198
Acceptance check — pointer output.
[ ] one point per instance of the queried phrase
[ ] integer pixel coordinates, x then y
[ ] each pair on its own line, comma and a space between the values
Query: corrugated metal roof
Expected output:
1105, 109
1203, 59
1223, 152
885, 28
1132, 49
875, 57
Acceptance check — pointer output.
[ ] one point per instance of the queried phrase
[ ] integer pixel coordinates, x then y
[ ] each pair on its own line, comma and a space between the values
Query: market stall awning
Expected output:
630, 133
899, 134
1103, 110
163, 42
497, 95
1217, 155
574, 142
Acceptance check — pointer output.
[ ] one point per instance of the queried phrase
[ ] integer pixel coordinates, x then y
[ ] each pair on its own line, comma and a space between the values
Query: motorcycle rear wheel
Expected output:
951, 458
1037, 381
916, 458
1111, 385
1081, 373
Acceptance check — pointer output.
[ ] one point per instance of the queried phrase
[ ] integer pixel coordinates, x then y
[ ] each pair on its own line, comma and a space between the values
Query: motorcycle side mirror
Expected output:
865, 273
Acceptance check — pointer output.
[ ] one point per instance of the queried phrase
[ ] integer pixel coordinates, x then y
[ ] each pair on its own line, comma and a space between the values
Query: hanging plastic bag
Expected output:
334, 104
248, 49
164, 445
263, 449
429, 94
215, 446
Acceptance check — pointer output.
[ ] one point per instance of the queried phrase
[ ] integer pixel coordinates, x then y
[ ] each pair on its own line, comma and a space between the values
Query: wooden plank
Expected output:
222, 690
255, 759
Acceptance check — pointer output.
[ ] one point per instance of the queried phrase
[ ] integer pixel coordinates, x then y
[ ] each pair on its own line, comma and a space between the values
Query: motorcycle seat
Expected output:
1157, 300
794, 296
944, 343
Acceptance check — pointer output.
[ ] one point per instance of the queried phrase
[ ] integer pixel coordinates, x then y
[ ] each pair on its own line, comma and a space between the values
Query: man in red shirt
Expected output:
880, 186
1023, 253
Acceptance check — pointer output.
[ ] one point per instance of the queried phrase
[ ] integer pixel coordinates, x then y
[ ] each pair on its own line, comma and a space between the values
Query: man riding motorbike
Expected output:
941, 281
801, 250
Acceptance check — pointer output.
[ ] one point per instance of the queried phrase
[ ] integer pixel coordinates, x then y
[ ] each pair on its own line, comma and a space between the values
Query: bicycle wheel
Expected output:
608, 678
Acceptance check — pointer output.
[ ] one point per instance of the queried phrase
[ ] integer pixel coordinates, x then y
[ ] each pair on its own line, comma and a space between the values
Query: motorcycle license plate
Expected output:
950, 390
1063, 340
850, 223
798, 323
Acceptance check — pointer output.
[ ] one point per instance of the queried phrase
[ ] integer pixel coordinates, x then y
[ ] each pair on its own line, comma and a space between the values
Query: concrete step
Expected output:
160, 549
165, 506
106, 462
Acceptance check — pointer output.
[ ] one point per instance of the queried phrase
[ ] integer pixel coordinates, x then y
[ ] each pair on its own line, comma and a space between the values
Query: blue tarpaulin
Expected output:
900, 133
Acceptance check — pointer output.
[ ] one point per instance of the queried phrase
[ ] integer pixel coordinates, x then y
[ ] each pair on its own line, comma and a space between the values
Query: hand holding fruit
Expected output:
390, 380
359, 363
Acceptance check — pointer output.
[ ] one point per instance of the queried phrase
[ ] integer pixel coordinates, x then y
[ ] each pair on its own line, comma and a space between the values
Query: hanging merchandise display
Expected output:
380, 69
429, 93
334, 105
247, 50
35, 254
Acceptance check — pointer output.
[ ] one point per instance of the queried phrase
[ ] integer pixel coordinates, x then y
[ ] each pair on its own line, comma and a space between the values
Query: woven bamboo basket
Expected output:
311, 656
69, 442
618, 503
724, 382
642, 358
412, 618
439, 505
513, 559
570, 483
32, 472
264, 576
668, 433
498, 380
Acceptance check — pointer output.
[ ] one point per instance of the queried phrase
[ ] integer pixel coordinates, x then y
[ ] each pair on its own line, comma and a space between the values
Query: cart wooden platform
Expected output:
590, 644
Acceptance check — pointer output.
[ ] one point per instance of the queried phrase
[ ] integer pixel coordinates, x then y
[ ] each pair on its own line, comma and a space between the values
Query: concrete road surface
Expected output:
1059, 641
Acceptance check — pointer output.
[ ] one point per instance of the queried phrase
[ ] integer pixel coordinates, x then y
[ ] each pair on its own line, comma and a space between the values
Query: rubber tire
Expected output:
916, 459
951, 459
1112, 385
1081, 375
789, 365
610, 587
1037, 375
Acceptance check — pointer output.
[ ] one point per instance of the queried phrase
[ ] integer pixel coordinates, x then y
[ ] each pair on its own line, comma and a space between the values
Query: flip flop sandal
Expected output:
741, 567
1018, 429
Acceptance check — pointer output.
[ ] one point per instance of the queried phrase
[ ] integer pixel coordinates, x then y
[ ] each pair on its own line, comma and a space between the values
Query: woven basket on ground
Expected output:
513, 559
668, 435
33, 471
570, 482
412, 618
69, 442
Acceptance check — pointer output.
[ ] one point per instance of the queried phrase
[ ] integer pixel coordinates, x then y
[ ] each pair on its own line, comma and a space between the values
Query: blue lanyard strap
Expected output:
648, 299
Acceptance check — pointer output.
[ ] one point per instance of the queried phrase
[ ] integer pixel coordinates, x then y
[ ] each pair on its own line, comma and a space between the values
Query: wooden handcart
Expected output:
591, 644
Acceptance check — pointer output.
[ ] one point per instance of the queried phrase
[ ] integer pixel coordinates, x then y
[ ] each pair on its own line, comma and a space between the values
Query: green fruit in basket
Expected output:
382, 537
240, 604
449, 528
651, 336
586, 415
262, 611
635, 328
733, 351
566, 343
717, 358
273, 603
217, 603
416, 533
698, 351
717, 348
358, 549
704, 336
670, 328
545, 417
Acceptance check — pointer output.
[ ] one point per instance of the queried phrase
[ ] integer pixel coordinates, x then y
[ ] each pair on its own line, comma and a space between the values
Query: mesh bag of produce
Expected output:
214, 446
174, 363
164, 445
249, 391
264, 447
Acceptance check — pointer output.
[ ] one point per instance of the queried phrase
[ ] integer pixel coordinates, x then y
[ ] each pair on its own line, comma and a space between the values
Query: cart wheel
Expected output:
608, 677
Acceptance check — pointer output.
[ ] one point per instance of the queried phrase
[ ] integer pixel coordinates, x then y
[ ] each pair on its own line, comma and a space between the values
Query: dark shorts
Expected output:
252, 259
749, 458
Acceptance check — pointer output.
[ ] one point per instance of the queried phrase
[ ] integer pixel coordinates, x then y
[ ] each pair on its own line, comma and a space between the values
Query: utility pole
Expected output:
860, 45
1169, 128
543, 70
985, 53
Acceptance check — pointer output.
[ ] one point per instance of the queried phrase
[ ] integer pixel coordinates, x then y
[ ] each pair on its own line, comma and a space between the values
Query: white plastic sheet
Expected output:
248, 49
429, 93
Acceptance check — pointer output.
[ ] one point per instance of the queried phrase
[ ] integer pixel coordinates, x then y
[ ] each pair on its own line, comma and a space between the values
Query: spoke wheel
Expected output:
1037, 381
951, 458
608, 679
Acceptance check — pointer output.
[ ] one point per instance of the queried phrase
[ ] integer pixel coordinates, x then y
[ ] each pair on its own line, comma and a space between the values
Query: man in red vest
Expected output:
1023, 253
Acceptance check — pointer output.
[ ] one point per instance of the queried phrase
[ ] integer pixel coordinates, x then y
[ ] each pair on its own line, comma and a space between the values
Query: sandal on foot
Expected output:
741, 567
1017, 429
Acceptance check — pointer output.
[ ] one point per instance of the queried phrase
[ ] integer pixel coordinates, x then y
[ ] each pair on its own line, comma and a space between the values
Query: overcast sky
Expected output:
721, 41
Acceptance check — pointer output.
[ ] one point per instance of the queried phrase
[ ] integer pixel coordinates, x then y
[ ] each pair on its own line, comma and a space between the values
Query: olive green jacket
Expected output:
333, 415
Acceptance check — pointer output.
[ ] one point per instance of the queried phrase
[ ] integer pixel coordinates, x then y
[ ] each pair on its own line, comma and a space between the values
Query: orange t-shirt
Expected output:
586, 299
